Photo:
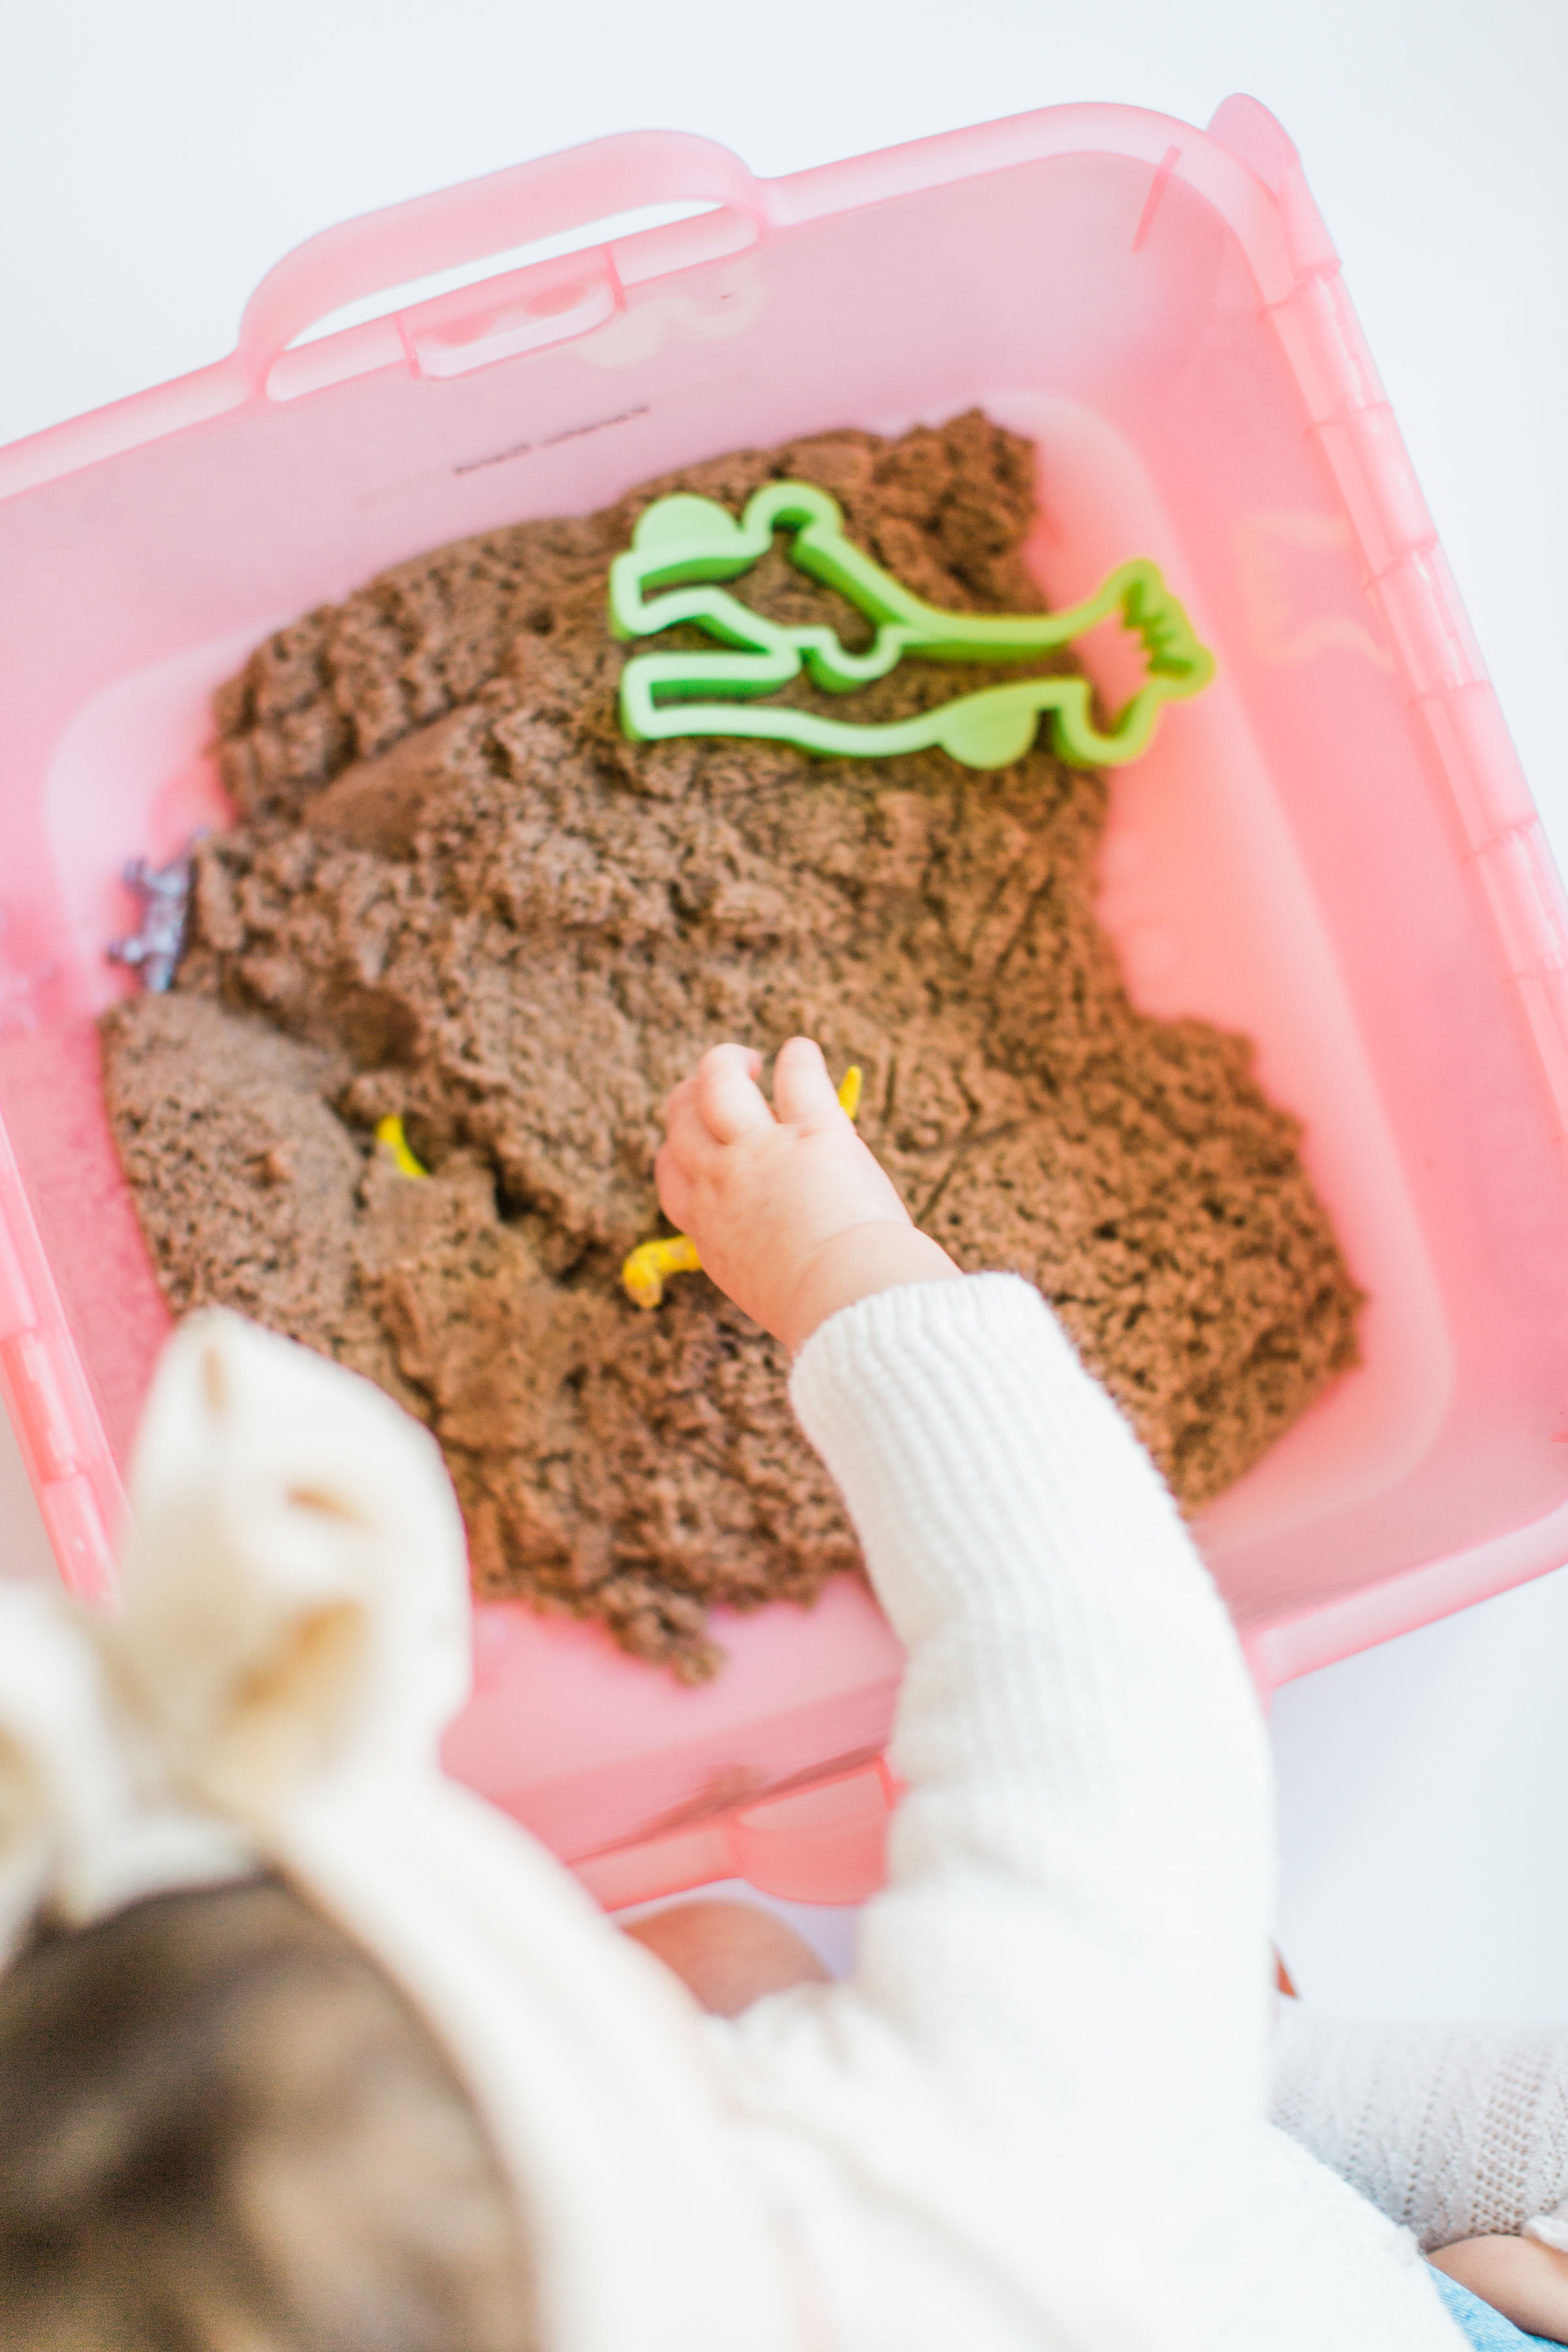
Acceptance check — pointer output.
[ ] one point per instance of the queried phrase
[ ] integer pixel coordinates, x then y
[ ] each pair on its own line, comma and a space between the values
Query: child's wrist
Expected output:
883, 1255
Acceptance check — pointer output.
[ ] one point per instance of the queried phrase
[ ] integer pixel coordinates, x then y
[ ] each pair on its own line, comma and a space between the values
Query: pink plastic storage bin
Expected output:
1332, 849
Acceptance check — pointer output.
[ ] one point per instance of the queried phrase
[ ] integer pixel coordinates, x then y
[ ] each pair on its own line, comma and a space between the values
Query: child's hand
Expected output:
792, 1215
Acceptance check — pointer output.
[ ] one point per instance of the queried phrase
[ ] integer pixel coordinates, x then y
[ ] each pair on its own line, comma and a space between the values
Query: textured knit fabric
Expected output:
1035, 2115
1484, 2329
1453, 2131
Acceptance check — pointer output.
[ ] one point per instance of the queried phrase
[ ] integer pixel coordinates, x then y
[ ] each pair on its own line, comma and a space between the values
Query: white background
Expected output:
156, 158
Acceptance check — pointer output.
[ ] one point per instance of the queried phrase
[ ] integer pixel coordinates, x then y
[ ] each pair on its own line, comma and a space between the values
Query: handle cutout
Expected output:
418, 291
523, 312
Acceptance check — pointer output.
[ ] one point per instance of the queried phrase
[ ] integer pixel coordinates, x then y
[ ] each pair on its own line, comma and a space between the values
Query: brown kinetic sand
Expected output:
457, 893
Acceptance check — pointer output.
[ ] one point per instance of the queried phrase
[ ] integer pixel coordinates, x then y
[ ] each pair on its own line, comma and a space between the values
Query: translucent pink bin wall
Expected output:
1332, 849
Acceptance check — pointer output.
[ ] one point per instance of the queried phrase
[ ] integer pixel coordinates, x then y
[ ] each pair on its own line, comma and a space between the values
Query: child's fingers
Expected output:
673, 1186
680, 1106
729, 1099
686, 1135
803, 1091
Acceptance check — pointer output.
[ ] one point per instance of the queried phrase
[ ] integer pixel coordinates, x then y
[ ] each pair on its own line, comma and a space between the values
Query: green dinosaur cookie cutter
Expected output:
683, 539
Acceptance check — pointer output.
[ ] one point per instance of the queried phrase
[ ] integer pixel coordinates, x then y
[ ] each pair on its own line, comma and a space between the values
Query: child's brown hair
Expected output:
222, 2129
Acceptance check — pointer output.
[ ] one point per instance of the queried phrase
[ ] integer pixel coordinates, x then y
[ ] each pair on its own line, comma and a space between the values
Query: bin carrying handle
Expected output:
382, 250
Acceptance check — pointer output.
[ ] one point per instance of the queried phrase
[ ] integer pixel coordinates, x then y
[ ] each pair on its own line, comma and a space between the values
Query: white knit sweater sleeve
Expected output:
1035, 2112
1075, 1725
1452, 2130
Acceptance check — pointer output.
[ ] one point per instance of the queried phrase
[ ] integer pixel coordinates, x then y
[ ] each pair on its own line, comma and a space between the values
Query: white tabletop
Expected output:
155, 160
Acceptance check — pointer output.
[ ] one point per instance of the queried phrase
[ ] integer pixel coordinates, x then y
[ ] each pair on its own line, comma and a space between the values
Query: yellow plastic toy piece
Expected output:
390, 1132
642, 1276
643, 1273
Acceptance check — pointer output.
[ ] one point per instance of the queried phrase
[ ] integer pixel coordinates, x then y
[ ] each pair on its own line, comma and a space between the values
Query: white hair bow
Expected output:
293, 1638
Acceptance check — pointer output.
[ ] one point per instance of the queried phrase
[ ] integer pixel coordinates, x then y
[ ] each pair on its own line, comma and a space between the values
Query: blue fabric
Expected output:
1483, 2327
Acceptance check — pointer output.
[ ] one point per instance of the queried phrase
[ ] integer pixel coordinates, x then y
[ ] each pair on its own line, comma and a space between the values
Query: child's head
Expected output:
222, 2127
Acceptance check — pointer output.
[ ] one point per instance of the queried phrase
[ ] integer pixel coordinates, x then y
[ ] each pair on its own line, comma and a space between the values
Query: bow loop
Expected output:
296, 1592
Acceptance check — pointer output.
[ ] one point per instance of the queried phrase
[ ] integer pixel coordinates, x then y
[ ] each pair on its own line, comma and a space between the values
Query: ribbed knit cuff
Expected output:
963, 1435
991, 1307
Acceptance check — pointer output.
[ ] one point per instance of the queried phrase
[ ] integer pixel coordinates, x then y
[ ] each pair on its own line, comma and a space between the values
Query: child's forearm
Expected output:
1076, 1729
1527, 2281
